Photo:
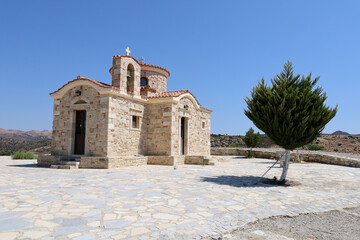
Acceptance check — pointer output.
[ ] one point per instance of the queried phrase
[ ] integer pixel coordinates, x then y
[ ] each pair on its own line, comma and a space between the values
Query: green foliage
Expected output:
5, 153
250, 154
24, 155
251, 138
291, 113
315, 147
22, 144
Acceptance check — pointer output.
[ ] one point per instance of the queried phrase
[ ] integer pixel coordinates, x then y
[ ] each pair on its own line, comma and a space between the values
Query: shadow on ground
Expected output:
31, 165
243, 181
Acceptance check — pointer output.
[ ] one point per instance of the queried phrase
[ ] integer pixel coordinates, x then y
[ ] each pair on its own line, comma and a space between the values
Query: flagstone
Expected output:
13, 224
109, 216
47, 224
189, 202
115, 224
8, 235
88, 236
139, 231
32, 234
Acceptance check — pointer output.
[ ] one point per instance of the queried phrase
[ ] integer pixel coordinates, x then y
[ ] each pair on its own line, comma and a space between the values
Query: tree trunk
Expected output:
297, 155
286, 166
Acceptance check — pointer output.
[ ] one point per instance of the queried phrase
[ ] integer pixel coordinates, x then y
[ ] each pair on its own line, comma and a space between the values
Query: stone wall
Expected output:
161, 160
124, 140
155, 80
48, 160
117, 162
198, 142
307, 157
119, 74
64, 118
94, 162
196, 160
158, 121
111, 162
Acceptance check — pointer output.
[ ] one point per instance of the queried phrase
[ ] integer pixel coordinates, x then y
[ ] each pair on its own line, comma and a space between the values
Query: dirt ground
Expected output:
338, 224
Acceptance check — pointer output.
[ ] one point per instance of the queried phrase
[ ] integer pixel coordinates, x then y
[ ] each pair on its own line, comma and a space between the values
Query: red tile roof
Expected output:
156, 95
169, 94
147, 87
175, 94
101, 84
141, 64
150, 65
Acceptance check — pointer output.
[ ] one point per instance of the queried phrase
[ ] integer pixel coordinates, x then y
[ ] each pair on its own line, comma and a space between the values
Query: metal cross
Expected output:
127, 50
141, 60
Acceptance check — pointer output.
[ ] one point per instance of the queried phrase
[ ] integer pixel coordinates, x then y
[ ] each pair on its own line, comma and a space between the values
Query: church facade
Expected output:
133, 121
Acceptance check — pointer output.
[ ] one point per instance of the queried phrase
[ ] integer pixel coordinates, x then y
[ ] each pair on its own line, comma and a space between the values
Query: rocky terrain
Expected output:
12, 140
39, 141
338, 141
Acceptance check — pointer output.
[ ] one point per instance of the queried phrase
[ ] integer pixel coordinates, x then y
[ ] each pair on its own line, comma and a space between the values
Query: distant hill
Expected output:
12, 140
22, 135
340, 133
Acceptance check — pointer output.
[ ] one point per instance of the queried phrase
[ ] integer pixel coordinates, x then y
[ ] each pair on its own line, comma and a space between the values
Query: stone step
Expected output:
70, 158
207, 161
70, 163
63, 167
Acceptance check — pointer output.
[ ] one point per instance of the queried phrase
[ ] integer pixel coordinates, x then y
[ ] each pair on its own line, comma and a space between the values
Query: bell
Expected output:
128, 74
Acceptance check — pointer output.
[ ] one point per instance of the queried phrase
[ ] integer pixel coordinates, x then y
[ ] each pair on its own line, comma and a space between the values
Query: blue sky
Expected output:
217, 49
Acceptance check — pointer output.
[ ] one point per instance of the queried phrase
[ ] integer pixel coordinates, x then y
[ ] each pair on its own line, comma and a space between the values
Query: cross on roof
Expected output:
141, 60
127, 50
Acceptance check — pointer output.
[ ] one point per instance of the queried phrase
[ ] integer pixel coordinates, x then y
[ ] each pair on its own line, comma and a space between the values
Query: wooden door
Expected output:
80, 129
182, 136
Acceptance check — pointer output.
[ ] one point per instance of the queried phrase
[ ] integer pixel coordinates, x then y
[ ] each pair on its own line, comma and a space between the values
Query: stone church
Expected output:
133, 121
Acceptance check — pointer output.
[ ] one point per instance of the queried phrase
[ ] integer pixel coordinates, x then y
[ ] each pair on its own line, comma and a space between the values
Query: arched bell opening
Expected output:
130, 75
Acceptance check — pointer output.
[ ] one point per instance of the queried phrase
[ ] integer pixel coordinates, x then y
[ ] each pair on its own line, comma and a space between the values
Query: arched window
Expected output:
143, 82
130, 79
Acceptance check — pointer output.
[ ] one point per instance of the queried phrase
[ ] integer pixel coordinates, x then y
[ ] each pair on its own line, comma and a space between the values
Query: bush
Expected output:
251, 138
5, 153
315, 147
24, 155
250, 154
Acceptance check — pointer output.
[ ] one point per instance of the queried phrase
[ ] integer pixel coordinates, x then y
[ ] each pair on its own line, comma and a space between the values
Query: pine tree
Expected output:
291, 113
251, 140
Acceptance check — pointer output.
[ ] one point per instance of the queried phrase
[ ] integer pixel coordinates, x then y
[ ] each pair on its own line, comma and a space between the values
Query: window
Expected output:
203, 124
143, 82
135, 122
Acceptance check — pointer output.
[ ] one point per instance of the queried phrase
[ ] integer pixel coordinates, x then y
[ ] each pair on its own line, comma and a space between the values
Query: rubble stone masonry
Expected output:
64, 115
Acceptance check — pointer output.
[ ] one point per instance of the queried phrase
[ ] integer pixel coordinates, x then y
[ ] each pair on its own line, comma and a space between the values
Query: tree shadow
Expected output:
243, 181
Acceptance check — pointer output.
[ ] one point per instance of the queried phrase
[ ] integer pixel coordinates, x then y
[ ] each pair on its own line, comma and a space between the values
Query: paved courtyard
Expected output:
159, 202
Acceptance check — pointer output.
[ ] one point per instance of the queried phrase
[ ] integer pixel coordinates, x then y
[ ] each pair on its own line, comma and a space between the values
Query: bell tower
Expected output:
125, 74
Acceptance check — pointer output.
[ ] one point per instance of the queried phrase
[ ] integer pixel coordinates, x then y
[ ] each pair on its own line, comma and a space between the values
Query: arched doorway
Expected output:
130, 75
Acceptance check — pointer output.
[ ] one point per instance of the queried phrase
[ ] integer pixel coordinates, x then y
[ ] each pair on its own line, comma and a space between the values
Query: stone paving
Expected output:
159, 202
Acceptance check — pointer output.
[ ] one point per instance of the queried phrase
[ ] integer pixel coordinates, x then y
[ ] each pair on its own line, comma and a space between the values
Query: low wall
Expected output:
116, 162
48, 160
94, 162
336, 160
111, 162
307, 157
161, 160
197, 160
